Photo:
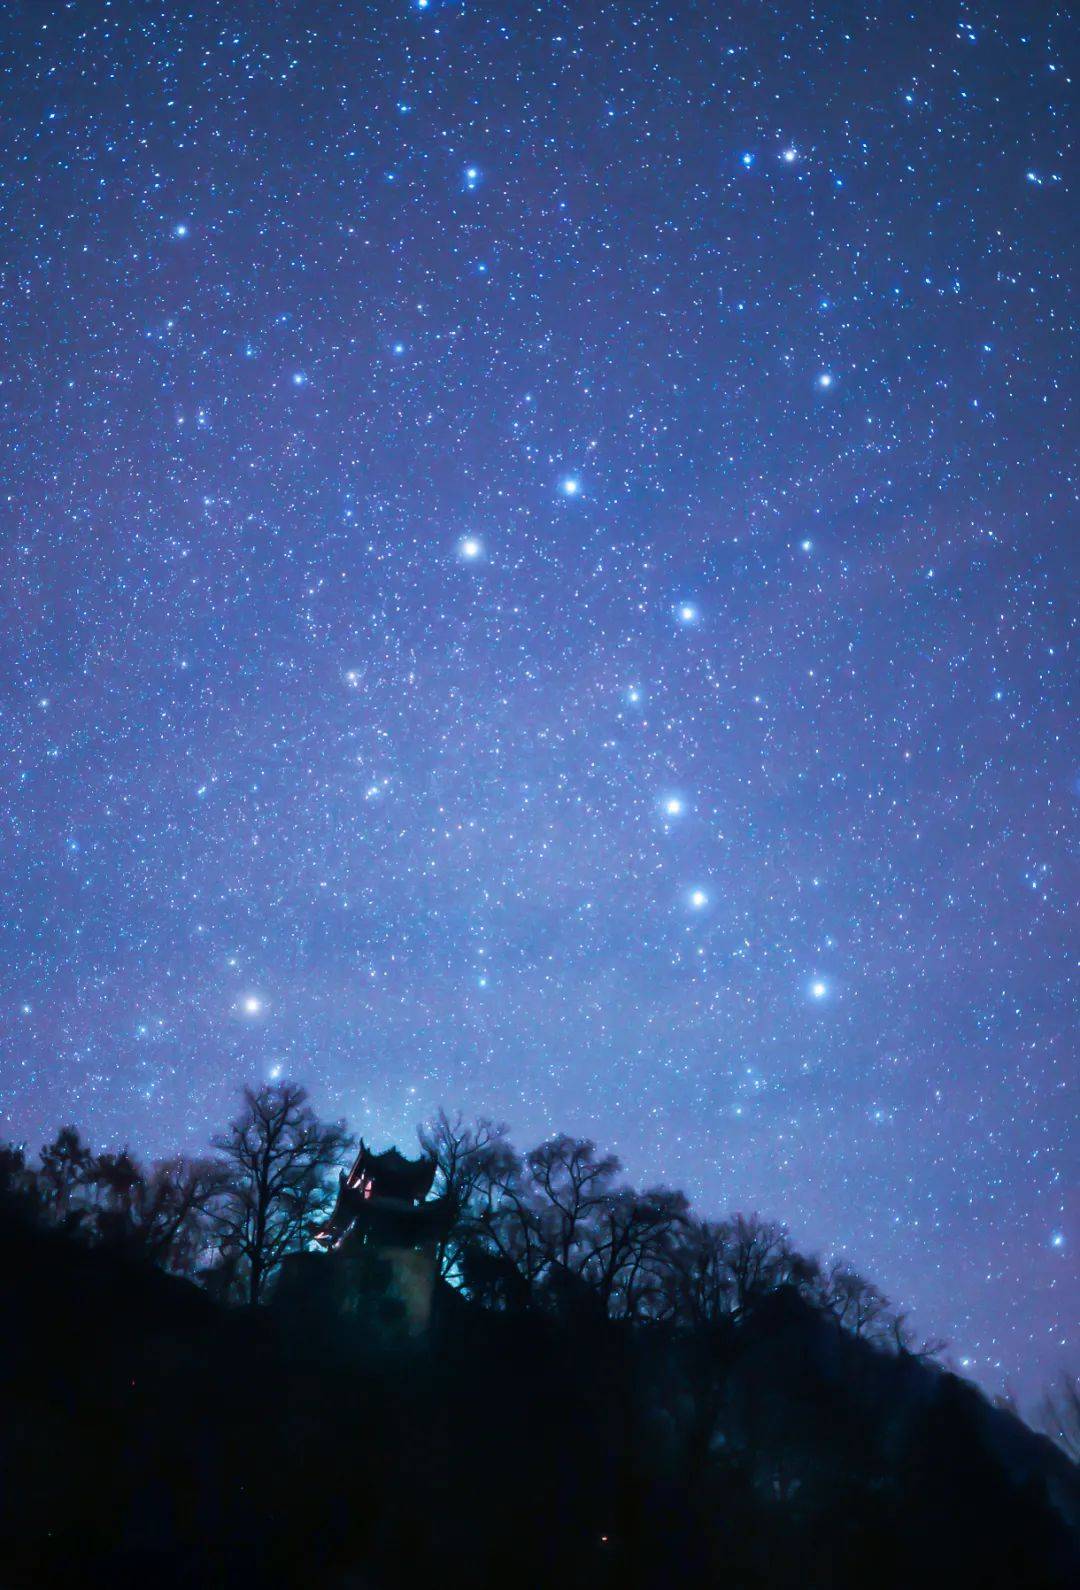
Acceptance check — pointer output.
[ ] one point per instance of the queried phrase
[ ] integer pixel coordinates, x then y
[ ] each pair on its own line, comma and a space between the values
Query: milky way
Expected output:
535, 574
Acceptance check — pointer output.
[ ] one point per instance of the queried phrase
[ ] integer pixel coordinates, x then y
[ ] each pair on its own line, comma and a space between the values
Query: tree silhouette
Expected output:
473, 1163
66, 1165
278, 1156
1059, 1415
859, 1306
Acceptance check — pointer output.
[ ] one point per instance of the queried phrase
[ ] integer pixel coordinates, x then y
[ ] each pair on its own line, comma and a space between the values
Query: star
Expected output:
251, 1005
673, 806
818, 989
825, 380
698, 899
687, 613
570, 486
470, 548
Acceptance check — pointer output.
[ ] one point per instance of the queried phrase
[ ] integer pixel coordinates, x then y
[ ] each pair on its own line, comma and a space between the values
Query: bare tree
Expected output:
474, 1163
759, 1258
278, 1155
469, 1158
115, 1180
20, 1192
508, 1228
904, 1342
66, 1165
698, 1287
625, 1248
1059, 1415
858, 1305
173, 1214
570, 1180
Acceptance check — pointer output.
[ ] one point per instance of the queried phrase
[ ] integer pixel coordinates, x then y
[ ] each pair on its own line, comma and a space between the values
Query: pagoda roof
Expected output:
391, 1175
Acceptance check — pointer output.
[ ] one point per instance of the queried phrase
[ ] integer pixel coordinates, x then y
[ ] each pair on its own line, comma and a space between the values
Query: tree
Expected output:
473, 1163
570, 1181
65, 1170
696, 1282
116, 1180
1059, 1415
759, 1258
20, 1195
278, 1156
625, 1250
858, 1305
175, 1218
164, 1216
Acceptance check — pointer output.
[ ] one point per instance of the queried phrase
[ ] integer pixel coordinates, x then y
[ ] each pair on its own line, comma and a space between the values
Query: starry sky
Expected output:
535, 577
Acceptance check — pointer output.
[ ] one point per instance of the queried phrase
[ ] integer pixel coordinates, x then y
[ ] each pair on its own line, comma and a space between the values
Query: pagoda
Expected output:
383, 1212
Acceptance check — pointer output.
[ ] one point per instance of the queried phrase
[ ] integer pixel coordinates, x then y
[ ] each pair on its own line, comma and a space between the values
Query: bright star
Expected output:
1058, 1239
470, 548
570, 487
818, 990
790, 155
673, 806
299, 378
807, 546
180, 229
825, 380
252, 1005
688, 613
698, 899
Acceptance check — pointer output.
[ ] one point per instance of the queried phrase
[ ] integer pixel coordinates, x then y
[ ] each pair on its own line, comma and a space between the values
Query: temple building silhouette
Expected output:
384, 1232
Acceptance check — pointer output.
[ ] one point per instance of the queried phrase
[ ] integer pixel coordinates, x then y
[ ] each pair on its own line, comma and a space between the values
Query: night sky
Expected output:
535, 576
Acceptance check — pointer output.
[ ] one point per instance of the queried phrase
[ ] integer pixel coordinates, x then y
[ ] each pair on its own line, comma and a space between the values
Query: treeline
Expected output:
558, 1230
226, 1219
555, 1230
612, 1392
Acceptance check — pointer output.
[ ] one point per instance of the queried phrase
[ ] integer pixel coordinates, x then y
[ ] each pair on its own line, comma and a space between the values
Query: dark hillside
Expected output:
152, 1436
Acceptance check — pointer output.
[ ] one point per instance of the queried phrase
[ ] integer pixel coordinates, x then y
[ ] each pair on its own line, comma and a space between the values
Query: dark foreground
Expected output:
152, 1438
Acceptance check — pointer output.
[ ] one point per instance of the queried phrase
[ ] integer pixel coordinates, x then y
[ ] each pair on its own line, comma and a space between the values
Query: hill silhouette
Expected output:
728, 1421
